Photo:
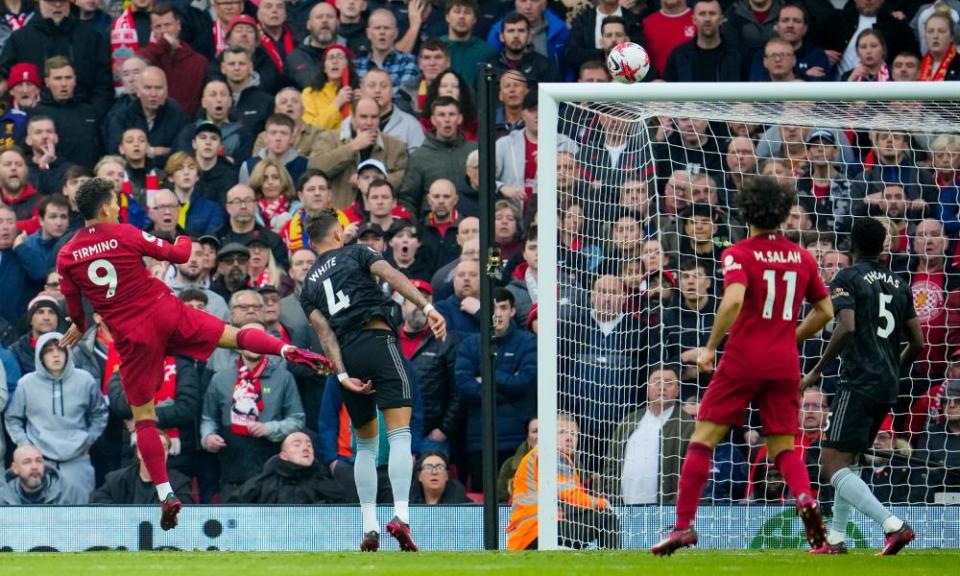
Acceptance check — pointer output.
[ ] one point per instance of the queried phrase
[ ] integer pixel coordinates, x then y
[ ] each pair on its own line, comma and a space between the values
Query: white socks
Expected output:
163, 490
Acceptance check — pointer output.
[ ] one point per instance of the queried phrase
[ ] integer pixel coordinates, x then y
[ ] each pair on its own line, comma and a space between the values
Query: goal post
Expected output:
567, 112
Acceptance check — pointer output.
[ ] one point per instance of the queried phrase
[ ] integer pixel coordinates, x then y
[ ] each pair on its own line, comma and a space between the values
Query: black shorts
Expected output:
375, 355
854, 422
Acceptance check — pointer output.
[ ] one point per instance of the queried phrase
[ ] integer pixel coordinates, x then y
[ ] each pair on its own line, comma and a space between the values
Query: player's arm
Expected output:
401, 284
843, 332
178, 252
331, 348
727, 314
818, 317
914, 344
78, 317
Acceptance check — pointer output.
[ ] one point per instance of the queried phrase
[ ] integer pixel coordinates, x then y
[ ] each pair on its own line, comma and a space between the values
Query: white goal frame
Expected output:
550, 97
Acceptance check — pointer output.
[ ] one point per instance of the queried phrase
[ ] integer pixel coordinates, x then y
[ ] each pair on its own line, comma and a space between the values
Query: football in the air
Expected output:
628, 62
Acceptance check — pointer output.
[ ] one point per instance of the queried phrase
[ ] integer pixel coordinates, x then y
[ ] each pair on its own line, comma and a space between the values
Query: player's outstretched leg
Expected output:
400, 469
849, 486
256, 340
693, 477
154, 458
365, 477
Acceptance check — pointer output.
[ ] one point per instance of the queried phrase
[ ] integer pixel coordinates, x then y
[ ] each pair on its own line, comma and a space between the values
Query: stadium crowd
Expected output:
233, 122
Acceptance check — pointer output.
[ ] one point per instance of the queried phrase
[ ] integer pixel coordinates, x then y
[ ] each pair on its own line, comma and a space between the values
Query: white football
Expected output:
628, 62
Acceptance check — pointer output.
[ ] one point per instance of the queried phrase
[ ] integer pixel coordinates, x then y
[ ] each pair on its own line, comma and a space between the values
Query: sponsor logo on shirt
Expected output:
730, 264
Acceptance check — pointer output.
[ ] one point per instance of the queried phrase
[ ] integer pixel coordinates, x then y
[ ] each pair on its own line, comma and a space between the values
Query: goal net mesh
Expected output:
646, 205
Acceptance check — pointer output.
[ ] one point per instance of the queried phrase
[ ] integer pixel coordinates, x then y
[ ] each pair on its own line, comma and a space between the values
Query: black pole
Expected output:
489, 274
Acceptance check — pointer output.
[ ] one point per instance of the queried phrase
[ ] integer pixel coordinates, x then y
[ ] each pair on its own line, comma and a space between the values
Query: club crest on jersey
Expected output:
729, 264
839, 293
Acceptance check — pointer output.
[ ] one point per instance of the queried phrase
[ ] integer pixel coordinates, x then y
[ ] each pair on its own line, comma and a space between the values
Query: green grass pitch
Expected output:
684, 563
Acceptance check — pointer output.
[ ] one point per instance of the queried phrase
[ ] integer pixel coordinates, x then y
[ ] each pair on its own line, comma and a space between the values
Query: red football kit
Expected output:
760, 361
104, 264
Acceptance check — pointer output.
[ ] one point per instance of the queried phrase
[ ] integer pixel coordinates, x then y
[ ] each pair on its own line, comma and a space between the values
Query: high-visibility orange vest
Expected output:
523, 516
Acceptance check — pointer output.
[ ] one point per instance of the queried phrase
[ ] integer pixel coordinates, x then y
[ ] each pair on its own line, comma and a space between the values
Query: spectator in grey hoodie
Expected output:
60, 410
29, 481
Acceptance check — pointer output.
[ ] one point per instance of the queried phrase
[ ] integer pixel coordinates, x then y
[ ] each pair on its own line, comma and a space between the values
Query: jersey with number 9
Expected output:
778, 275
104, 264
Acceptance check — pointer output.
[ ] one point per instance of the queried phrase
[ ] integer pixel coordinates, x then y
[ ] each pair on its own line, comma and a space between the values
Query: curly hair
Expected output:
764, 202
93, 194
867, 237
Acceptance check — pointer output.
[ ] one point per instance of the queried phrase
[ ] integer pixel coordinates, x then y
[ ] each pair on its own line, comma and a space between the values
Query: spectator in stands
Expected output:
945, 150
643, 464
54, 213
275, 193
353, 24
38, 413
549, 33
163, 209
235, 137
461, 308
443, 153
872, 59
841, 32
251, 104
936, 298
940, 61
468, 239
514, 87
378, 85
16, 191
434, 484
338, 153
314, 193
666, 29
509, 468
30, 481
242, 224
779, 61
291, 313
893, 162
749, 24
687, 326
405, 253
132, 484
516, 371
466, 50
450, 84
514, 52
892, 479
434, 362
940, 445
78, 136
245, 32
45, 169
584, 517
693, 147
276, 35
433, 58
905, 67
231, 276
199, 215
382, 33
293, 476
170, 53
304, 61
190, 275
44, 316
587, 32
279, 147
158, 116
603, 351
824, 190
440, 229
55, 32
811, 61
23, 86
248, 410
708, 57
326, 93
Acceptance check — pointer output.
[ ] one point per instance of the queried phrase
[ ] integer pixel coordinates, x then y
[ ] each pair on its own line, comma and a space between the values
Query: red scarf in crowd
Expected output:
123, 44
926, 66
17, 21
270, 45
220, 37
247, 403
270, 209
883, 75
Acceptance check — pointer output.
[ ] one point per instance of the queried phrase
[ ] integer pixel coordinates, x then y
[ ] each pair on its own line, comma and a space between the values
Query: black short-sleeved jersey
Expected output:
341, 286
882, 303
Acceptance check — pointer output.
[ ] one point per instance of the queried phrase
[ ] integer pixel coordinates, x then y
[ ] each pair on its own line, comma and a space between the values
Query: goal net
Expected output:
631, 229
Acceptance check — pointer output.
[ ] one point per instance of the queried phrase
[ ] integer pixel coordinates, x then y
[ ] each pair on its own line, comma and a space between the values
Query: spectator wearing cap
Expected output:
235, 140
242, 225
24, 87
232, 276
214, 40
709, 57
368, 171
44, 316
217, 173
516, 376
329, 93
170, 53
279, 147
22, 268
382, 33
824, 189
443, 155
262, 267
60, 410
338, 152
251, 103
304, 61
440, 227
939, 447
435, 364
76, 121
372, 235
55, 32
378, 85
406, 253
191, 275
158, 116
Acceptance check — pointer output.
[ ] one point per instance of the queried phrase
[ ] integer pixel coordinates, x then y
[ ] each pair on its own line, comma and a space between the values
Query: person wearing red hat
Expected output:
328, 98
226, 11
244, 31
23, 84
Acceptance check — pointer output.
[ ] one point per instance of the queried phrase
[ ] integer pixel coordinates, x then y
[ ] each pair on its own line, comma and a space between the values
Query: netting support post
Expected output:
547, 359
490, 267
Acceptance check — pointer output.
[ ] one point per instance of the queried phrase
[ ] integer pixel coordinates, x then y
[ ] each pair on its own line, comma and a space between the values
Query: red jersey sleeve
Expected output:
733, 267
158, 248
816, 289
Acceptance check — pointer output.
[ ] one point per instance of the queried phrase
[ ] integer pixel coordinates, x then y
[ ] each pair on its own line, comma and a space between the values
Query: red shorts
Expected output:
728, 397
169, 327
